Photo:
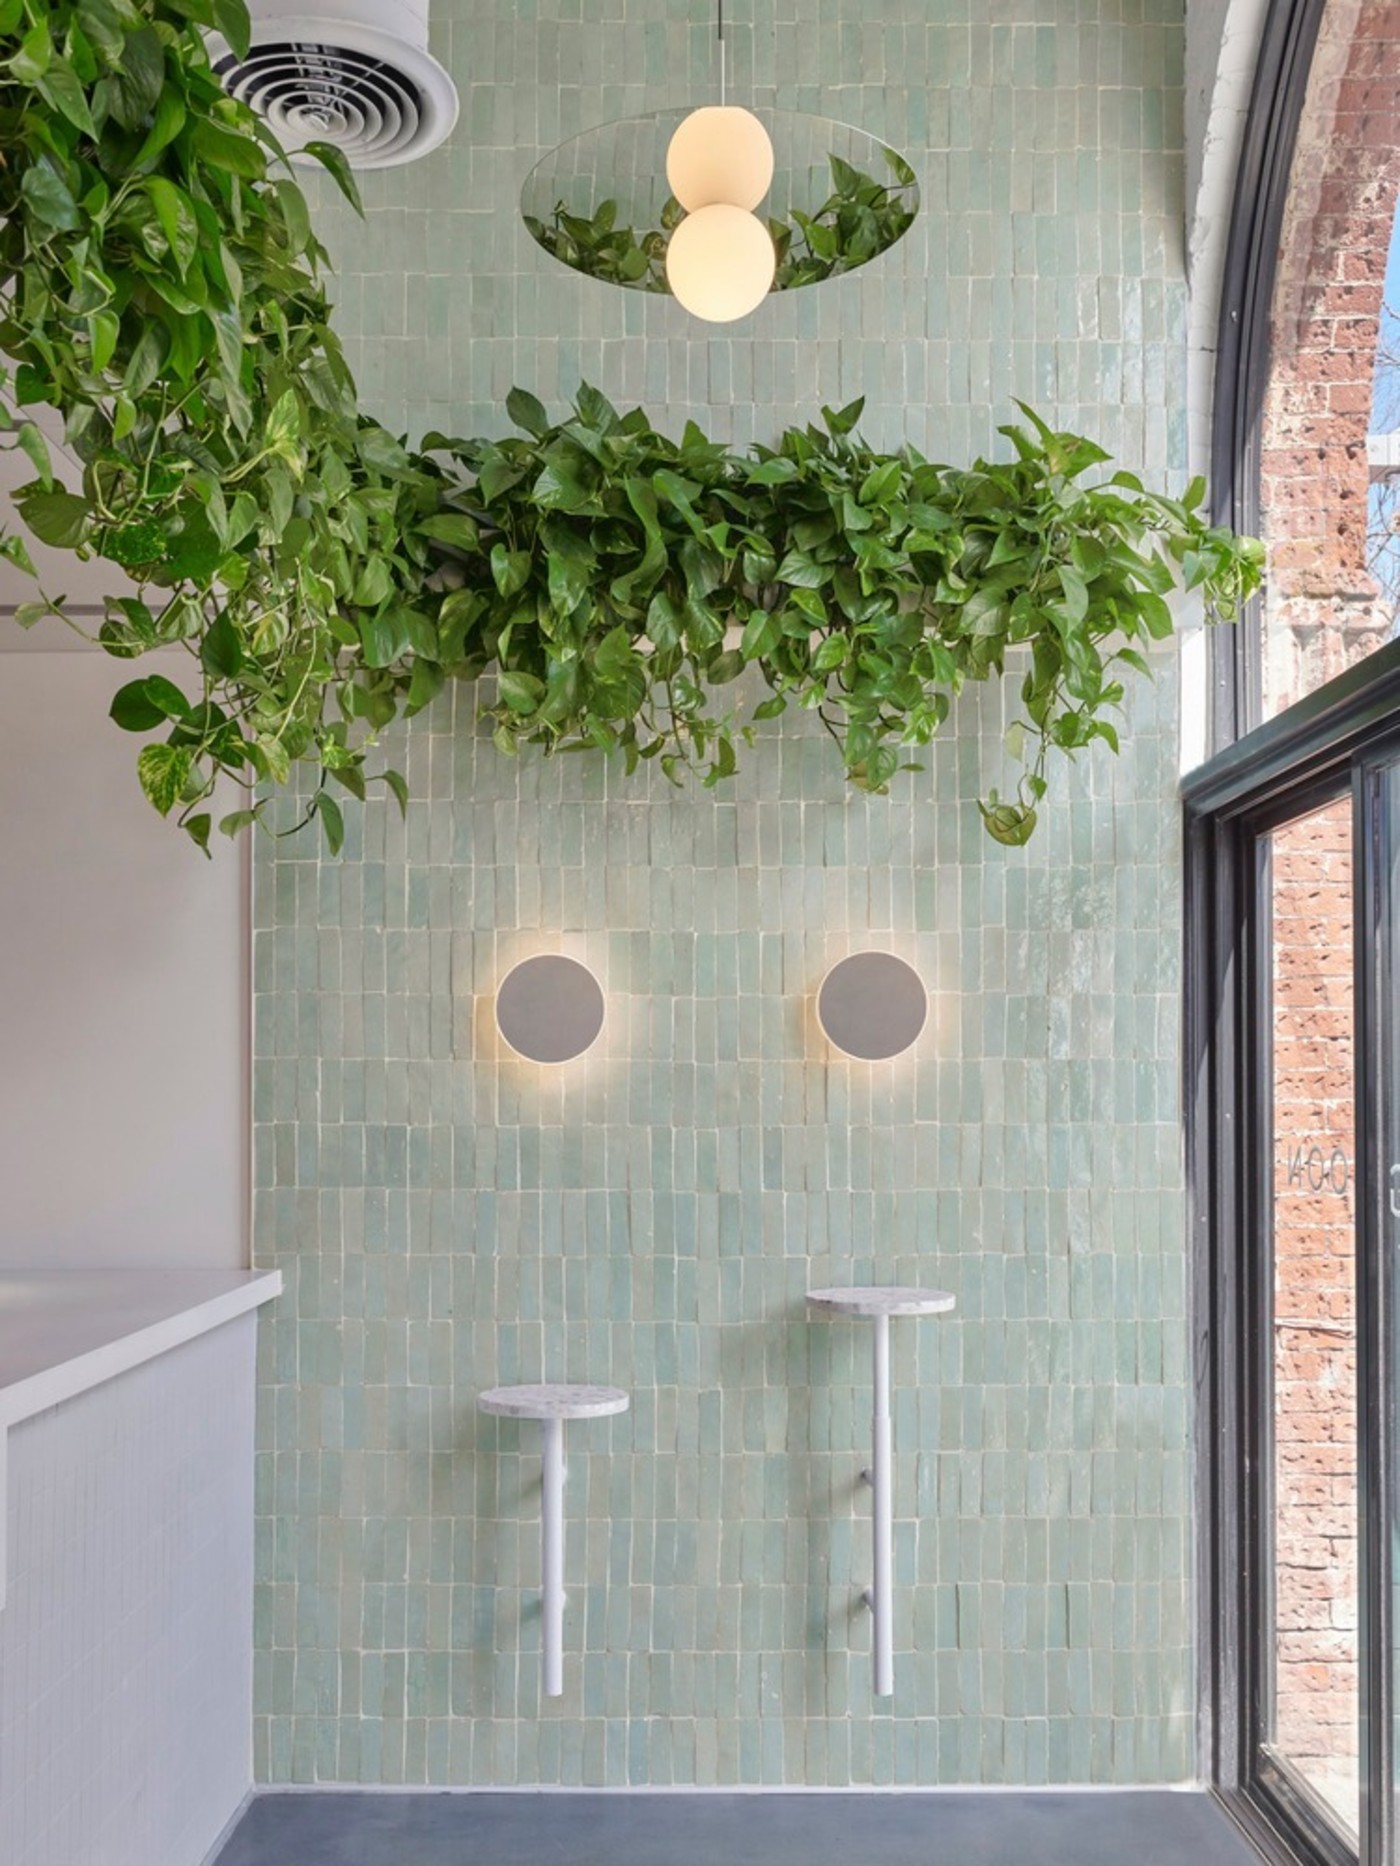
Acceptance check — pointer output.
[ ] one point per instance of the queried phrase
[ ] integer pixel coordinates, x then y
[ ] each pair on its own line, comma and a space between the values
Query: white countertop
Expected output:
64, 1331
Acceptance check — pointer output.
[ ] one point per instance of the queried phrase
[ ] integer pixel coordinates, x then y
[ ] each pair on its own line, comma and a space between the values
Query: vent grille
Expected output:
370, 110
356, 74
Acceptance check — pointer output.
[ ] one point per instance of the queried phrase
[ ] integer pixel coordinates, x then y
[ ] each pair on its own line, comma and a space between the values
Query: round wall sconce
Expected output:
550, 1009
872, 1005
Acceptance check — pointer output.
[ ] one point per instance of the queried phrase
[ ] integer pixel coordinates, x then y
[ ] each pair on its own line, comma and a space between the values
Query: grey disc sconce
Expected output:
550, 1009
872, 1005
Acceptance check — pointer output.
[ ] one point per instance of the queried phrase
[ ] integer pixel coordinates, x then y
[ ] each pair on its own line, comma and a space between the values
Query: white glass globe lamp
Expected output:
720, 263
720, 154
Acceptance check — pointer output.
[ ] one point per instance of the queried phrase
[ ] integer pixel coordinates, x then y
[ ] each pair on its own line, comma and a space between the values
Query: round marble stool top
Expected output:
884, 1299
554, 1401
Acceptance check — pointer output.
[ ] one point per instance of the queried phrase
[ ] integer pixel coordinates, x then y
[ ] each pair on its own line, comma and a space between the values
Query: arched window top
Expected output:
1311, 244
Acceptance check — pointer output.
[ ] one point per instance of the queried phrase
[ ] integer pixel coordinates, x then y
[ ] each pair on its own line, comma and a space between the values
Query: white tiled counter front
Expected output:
126, 1412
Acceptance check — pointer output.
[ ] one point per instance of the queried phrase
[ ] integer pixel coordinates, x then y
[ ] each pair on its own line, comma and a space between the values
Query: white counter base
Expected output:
125, 1649
63, 1332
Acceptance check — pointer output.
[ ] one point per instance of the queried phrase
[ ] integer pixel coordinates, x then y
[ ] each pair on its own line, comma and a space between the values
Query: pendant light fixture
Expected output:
721, 261
718, 207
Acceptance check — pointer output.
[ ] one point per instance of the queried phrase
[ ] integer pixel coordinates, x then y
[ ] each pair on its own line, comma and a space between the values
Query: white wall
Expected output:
125, 1657
1222, 46
83, 583
123, 1005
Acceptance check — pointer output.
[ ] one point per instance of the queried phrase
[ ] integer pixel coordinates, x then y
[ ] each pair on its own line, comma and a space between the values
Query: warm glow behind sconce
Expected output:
872, 1005
550, 1009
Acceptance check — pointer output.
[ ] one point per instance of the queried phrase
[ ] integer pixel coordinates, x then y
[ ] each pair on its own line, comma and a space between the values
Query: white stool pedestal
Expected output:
878, 1304
551, 1405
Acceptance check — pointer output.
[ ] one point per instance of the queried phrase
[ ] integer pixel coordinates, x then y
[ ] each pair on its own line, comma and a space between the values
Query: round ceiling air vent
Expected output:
353, 73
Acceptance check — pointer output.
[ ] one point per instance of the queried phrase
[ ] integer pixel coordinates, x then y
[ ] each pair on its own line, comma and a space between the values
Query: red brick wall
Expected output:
1314, 1303
1323, 613
1322, 608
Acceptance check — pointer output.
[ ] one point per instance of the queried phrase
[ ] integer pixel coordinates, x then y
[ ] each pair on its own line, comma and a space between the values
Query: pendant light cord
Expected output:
719, 34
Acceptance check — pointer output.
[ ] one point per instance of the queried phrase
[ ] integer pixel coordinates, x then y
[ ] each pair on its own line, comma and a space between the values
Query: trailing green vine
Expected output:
161, 292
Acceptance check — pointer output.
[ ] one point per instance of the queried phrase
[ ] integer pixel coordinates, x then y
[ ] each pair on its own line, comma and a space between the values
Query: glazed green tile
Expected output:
655, 1217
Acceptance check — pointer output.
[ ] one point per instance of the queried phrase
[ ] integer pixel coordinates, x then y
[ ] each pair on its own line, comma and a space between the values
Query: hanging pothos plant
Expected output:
161, 292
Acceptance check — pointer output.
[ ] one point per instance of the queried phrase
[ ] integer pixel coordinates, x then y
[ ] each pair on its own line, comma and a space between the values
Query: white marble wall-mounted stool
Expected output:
878, 1304
552, 1404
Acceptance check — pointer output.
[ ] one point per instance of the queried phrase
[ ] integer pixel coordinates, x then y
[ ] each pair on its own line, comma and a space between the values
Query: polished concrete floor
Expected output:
1147, 1828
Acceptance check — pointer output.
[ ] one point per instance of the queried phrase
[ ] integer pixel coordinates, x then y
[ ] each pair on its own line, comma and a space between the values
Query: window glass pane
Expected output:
1330, 597
1315, 1719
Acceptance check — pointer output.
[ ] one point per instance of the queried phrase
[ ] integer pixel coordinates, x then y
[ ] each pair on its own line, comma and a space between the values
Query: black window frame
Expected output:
1287, 44
1259, 775
1337, 742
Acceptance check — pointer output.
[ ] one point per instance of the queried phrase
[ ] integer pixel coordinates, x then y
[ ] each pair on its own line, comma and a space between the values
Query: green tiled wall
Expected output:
448, 1218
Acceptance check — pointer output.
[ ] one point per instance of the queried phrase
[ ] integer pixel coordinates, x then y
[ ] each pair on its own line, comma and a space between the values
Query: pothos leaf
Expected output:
528, 412
61, 87
332, 821
35, 54
398, 784
56, 518
140, 78
166, 125
50, 203
197, 829
333, 161
32, 441
163, 771
175, 212
142, 705
221, 651
231, 18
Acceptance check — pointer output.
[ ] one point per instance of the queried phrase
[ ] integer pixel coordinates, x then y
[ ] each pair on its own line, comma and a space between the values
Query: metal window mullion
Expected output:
1374, 1372
1256, 1273
1211, 1095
